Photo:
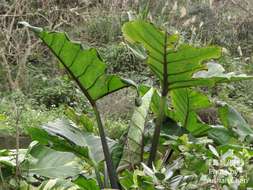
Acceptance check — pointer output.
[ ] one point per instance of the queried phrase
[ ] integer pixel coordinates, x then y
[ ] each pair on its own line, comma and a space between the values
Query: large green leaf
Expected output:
170, 128
174, 64
221, 135
185, 103
86, 184
234, 121
64, 135
133, 147
84, 65
46, 162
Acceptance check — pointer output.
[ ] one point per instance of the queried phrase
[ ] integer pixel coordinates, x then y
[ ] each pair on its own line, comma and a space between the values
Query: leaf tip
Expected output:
26, 24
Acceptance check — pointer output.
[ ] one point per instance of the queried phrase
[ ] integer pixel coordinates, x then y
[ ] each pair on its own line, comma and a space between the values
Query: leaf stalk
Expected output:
160, 118
109, 164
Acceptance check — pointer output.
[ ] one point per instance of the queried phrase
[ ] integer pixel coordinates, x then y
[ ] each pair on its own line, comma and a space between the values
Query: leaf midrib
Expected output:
68, 69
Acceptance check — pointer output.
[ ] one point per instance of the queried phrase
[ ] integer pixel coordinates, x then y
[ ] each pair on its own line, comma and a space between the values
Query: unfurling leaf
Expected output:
133, 148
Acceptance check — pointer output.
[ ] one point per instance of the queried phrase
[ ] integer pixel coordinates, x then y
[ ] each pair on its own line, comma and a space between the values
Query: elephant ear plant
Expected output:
178, 66
88, 71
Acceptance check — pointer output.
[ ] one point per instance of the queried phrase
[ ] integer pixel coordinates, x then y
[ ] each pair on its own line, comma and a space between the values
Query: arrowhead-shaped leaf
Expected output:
176, 63
84, 65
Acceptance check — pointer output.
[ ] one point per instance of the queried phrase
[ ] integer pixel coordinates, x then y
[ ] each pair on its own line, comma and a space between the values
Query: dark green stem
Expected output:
160, 118
156, 135
110, 167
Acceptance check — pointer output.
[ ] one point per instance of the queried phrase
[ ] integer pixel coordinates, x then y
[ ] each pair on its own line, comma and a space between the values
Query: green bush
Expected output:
102, 28
121, 60
115, 128
53, 92
17, 109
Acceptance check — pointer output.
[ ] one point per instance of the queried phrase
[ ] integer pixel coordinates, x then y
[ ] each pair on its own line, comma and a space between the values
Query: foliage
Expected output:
176, 65
89, 75
55, 92
207, 155
133, 150
49, 163
219, 167
103, 28
46, 167
233, 120
115, 128
184, 63
186, 102
122, 60
64, 135
179, 67
31, 115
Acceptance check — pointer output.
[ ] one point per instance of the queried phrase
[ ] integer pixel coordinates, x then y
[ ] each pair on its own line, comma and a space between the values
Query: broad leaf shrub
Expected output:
175, 149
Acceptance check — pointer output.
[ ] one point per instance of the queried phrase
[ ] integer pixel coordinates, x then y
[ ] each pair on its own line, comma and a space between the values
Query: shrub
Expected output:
103, 28
115, 128
29, 114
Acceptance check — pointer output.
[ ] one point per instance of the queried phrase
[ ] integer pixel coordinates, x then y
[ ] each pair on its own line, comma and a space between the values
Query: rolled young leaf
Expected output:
132, 152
